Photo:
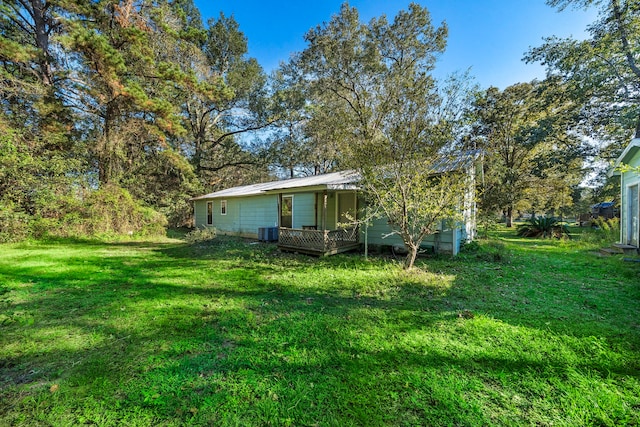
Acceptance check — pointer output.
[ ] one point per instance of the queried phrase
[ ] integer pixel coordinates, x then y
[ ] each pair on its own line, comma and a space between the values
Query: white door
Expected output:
633, 225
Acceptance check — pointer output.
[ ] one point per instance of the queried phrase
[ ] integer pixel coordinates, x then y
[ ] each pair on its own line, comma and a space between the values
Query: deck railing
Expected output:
323, 242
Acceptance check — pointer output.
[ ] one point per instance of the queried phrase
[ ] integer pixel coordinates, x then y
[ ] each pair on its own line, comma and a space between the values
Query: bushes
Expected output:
112, 211
606, 225
108, 212
489, 251
602, 232
14, 225
543, 227
201, 235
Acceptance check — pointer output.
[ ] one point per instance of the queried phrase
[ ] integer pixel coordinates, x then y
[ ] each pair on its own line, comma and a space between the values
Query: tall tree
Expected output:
32, 69
229, 101
602, 72
37, 156
304, 141
372, 82
120, 82
25, 32
531, 158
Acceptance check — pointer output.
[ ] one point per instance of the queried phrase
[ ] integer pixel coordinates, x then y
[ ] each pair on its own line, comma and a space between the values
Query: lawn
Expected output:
511, 332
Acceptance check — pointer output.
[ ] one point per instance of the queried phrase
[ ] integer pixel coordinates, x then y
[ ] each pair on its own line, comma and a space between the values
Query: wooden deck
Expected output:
318, 242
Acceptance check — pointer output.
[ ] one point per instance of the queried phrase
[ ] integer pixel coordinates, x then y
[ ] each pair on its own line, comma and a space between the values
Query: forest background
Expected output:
115, 113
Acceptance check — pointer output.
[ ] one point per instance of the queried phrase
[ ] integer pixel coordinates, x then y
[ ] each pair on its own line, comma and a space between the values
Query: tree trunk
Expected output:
42, 23
412, 253
106, 152
509, 217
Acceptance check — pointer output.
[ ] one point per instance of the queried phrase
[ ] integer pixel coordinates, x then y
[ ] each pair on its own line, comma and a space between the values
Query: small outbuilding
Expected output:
604, 210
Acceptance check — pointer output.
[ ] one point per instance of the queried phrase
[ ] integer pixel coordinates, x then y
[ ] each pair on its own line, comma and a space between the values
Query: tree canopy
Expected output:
143, 103
531, 159
374, 96
603, 72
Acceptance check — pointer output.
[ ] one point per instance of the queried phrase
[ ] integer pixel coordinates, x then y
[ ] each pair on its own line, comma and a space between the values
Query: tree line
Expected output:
126, 109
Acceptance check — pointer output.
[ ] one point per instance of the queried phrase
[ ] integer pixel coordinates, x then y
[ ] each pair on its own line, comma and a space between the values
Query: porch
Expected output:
318, 242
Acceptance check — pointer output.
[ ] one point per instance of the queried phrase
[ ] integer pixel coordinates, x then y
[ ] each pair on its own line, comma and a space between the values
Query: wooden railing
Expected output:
321, 242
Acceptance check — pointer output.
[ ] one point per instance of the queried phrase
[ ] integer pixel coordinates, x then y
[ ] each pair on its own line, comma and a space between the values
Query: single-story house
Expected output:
629, 191
313, 215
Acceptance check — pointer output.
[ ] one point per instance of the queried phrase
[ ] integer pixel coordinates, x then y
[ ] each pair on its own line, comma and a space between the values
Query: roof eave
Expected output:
628, 152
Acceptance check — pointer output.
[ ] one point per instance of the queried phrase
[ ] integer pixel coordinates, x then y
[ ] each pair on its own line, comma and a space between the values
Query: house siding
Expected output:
627, 180
200, 213
304, 209
332, 209
244, 215
447, 240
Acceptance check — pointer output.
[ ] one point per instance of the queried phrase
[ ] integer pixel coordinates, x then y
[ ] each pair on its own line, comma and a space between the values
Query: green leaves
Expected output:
532, 157
373, 96
543, 227
602, 72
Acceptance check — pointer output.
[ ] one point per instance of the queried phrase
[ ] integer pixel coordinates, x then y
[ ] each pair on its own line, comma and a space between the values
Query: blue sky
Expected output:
488, 36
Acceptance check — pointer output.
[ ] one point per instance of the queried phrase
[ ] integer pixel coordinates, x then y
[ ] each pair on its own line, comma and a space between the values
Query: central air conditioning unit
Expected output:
268, 234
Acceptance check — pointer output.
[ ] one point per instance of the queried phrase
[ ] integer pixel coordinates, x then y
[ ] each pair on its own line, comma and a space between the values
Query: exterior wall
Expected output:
447, 241
332, 207
244, 214
200, 213
470, 209
304, 209
627, 180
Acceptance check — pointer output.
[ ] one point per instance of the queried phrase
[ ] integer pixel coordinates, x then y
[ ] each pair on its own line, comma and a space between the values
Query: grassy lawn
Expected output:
512, 332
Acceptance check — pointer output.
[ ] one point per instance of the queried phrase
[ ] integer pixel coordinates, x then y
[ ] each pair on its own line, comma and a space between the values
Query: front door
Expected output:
633, 225
286, 212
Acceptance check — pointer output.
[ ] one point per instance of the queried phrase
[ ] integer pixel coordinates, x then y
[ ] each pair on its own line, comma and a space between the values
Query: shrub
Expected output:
543, 227
611, 224
487, 222
179, 213
204, 234
112, 211
489, 251
107, 212
14, 225
603, 232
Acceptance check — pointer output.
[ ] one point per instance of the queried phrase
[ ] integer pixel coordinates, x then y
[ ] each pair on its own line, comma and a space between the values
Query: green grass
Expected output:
514, 331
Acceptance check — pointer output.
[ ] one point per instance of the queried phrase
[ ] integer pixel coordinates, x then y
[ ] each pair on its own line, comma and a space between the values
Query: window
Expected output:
209, 213
223, 207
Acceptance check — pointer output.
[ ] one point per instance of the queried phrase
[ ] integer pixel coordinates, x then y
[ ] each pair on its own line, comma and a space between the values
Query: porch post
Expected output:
324, 210
324, 222
279, 210
315, 209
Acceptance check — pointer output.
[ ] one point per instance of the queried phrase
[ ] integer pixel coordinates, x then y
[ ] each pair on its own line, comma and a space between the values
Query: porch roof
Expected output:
345, 180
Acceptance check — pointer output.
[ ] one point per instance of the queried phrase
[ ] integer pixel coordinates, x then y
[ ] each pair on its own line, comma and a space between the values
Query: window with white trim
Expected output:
223, 207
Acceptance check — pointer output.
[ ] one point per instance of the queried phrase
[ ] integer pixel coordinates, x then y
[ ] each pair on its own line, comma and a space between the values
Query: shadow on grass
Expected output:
242, 333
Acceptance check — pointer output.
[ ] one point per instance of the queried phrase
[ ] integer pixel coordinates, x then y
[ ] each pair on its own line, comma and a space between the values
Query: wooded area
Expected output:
114, 113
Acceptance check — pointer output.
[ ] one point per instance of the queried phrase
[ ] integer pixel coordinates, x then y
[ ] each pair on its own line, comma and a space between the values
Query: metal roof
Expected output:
338, 180
455, 161
602, 205
330, 181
